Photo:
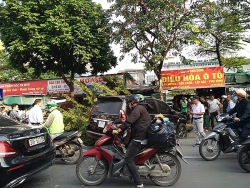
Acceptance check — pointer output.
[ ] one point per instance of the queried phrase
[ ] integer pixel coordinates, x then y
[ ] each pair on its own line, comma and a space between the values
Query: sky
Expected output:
125, 64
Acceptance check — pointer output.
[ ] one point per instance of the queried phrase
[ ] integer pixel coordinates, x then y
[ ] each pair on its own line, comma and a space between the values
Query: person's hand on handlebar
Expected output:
236, 119
117, 131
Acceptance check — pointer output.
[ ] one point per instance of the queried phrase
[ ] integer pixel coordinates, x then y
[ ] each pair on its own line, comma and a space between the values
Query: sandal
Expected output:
143, 186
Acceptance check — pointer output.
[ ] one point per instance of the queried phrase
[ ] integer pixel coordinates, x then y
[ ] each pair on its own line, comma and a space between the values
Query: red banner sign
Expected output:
193, 78
24, 88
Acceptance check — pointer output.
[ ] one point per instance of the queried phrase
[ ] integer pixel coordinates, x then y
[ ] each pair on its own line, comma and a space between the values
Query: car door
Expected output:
153, 111
165, 110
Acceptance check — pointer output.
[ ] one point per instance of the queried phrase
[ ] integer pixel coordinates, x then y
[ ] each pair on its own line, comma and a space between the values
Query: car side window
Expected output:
154, 105
163, 107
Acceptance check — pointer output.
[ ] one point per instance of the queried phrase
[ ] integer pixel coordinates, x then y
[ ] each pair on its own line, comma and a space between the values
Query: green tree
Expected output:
220, 31
76, 118
8, 73
151, 30
56, 35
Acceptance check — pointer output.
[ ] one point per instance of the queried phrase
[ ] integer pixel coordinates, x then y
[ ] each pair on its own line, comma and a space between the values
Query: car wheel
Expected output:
182, 131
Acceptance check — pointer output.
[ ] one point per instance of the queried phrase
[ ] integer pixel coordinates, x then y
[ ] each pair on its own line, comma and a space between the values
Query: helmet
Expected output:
241, 92
134, 98
141, 97
51, 104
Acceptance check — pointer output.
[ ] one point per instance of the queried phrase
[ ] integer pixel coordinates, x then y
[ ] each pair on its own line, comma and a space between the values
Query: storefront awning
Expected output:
22, 100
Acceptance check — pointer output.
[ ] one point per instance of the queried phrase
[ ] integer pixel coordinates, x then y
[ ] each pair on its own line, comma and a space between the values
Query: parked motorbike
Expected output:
243, 155
220, 139
69, 147
107, 157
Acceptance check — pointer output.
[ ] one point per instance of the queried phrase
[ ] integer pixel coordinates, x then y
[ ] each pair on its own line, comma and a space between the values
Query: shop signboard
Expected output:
231, 89
59, 85
193, 78
24, 88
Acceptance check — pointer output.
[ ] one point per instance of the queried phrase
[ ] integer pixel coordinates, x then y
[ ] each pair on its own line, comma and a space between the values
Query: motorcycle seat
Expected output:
65, 135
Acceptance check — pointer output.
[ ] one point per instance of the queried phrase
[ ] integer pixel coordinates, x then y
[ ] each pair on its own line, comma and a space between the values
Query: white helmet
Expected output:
241, 92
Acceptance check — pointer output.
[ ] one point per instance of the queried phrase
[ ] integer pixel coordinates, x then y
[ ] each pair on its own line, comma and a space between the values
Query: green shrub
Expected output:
76, 118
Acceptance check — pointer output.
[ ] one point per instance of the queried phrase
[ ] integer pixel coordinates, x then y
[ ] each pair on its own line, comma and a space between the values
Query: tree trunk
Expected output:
70, 84
158, 74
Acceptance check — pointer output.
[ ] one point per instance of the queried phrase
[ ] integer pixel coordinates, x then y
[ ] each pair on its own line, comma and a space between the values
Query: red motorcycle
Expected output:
159, 165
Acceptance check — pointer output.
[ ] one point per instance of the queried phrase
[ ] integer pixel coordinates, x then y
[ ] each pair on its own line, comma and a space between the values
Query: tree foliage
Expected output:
220, 31
153, 28
153, 31
76, 118
8, 73
56, 35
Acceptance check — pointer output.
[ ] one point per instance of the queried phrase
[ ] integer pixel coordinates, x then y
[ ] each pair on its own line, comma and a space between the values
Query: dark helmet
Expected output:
133, 98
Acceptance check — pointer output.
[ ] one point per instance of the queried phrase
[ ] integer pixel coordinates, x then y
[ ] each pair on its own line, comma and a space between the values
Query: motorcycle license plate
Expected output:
37, 140
80, 140
101, 124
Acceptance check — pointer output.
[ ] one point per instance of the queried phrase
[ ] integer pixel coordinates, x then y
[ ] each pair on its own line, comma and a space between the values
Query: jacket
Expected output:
242, 108
139, 121
55, 122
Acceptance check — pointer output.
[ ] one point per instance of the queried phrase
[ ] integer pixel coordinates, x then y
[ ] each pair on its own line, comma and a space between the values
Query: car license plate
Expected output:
37, 140
101, 124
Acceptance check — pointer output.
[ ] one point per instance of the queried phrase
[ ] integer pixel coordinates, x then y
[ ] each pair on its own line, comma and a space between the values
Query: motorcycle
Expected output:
220, 139
107, 157
69, 147
243, 155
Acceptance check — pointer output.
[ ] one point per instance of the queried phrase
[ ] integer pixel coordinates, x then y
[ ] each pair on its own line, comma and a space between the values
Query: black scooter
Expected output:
69, 147
243, 155
220, 139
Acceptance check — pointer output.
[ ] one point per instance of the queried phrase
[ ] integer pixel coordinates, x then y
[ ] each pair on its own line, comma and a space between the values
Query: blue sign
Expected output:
1, 94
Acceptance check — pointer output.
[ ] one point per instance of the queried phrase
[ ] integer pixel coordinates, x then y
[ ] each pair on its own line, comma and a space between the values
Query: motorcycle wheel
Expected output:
85, 173
173, 163
73, 152
182, 132
243, 157
208, 151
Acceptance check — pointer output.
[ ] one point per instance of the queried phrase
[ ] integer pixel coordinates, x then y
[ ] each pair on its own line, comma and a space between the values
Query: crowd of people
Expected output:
34, 116
201, 112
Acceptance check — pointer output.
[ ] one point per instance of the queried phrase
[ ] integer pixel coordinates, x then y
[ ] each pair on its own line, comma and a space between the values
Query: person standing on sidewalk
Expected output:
36, 114
183, 103
224, 103
206, 114
213, 108
198, 111
231, 104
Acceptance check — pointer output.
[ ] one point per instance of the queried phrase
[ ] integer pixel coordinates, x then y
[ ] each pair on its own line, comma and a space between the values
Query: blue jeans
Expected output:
245, 128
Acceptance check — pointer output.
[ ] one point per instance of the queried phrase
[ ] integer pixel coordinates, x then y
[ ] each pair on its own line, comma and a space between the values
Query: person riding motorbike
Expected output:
54, 122
139, 121
242, 120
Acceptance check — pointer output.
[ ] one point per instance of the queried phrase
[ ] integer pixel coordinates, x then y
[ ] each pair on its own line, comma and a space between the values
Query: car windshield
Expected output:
109, 105
7, 122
